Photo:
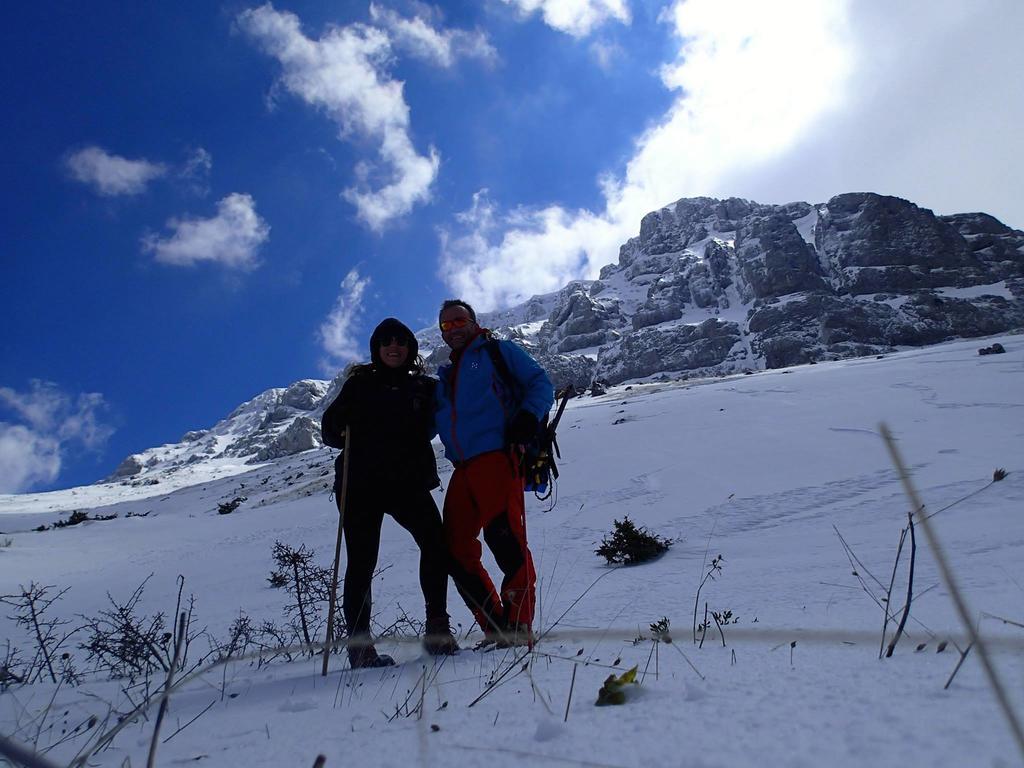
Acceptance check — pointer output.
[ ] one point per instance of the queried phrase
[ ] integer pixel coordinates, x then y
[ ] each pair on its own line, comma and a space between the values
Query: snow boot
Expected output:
516, 635
439, 640
365, 656
489, 641
493, 627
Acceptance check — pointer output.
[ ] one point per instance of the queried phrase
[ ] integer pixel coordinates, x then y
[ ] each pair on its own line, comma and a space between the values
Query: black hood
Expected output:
389, 328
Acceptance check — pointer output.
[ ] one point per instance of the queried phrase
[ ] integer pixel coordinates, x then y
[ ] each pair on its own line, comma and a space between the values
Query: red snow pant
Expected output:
486, 493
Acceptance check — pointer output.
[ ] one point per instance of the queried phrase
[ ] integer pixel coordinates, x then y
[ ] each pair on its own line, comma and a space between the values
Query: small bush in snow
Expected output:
74, 518
123, 642
126, 644
10, 666
32, 612
659, 630
309, 586
629, 545
227, 507
995, 349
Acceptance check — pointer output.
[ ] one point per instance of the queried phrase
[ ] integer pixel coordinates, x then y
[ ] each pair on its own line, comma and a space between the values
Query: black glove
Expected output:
522, 429
423, 397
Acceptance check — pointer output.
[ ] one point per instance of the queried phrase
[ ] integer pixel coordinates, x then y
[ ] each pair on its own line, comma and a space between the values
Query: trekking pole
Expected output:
337, 550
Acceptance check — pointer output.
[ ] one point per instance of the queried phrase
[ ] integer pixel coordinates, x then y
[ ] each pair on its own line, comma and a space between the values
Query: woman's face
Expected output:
393, 352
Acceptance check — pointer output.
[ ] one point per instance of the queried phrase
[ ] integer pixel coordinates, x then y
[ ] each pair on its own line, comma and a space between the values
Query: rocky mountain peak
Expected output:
859, 274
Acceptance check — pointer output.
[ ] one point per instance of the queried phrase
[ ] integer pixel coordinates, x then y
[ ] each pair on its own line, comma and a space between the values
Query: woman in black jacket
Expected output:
389, 405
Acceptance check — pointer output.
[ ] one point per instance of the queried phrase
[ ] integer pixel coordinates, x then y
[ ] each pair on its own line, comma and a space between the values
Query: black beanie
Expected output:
389, 328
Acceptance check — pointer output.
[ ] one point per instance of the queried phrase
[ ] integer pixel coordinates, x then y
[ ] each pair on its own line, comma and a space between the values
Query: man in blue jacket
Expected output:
484, 428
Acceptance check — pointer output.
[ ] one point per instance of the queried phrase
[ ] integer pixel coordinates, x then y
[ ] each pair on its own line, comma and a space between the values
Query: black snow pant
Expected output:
417, 513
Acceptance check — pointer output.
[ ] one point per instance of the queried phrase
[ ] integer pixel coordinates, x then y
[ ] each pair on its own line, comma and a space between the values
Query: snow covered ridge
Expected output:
708, 288
278, 422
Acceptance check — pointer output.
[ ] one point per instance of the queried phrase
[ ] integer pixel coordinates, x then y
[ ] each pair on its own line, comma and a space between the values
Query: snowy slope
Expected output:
756, 468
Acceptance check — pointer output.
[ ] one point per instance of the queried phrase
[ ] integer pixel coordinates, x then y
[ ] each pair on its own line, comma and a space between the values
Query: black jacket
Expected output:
392, 418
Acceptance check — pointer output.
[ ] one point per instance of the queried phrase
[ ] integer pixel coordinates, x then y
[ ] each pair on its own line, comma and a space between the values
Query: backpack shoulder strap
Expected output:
510, 382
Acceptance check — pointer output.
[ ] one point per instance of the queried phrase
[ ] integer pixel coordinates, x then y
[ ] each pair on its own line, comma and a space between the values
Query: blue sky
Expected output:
205, 200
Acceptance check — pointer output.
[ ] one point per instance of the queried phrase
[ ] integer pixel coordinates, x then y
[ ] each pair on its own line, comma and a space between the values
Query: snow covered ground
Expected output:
761, 469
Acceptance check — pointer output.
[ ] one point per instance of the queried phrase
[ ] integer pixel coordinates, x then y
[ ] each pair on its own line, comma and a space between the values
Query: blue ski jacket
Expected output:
473, 404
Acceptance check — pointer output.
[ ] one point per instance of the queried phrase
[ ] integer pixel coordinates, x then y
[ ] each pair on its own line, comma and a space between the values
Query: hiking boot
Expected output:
439, 640
516, 635
366, 657
490, 640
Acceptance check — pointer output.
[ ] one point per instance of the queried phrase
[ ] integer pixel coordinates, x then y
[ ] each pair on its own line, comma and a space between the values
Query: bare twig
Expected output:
710, 574
858, 566
963, 657
717, 624
42, 718
423, 695
186, 725
575, 661
643, 676
572, 684
687, 660
910, 589
524, 654
178, 644
888, 592
954, 592
1000, 618
43, 649
985, 487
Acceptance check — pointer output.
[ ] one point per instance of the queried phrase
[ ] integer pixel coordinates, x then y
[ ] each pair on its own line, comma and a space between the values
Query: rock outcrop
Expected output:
784, 285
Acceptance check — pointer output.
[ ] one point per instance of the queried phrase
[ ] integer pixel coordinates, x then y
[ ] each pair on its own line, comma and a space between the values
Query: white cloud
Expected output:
337, 332
736, 106
606, 53
112, 175
40, 407
753, 78
27, 459
497, 259
196, 171
344, 73
931, 113
421, 39
787, 101
53, 421
231, 238
575, 17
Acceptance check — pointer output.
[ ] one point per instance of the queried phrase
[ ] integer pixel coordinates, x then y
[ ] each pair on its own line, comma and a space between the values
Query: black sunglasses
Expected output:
401, 342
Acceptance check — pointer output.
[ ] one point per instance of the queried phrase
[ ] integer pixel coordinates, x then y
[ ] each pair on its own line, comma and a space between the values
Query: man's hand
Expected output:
522, 429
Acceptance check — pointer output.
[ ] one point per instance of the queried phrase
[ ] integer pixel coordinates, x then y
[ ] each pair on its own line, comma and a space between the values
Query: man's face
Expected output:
457, 327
